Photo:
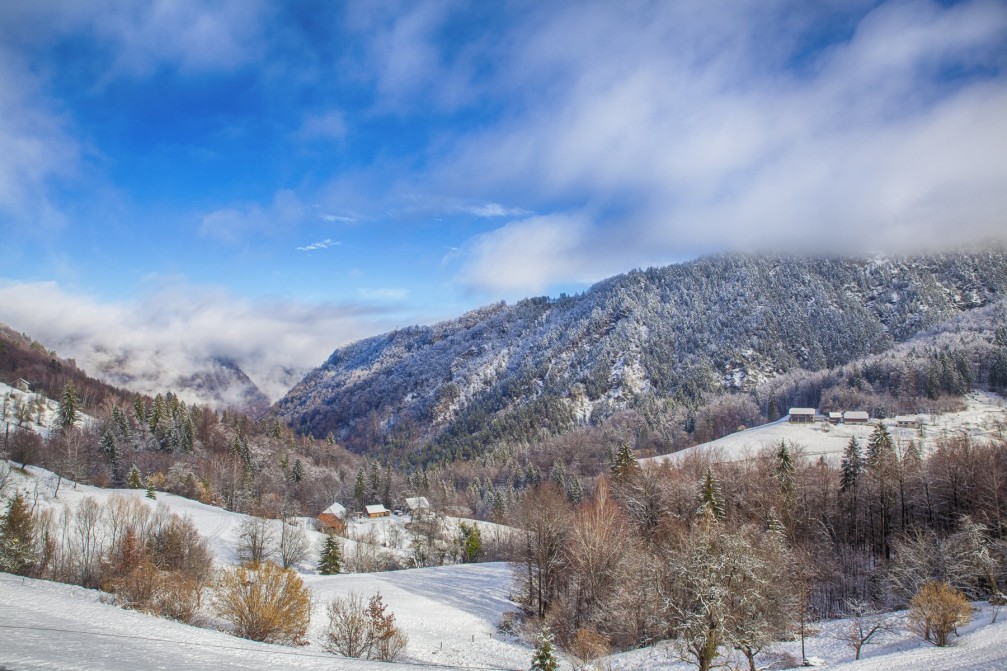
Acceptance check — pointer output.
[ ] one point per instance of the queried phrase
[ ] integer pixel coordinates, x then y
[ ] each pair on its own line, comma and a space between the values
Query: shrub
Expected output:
359, 630
264, 602
937, 610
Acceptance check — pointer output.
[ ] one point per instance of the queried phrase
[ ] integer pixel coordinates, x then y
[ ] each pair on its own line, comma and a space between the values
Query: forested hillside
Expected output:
678, 337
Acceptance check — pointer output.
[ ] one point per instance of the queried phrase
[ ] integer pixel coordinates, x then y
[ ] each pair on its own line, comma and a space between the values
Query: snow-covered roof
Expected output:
835, 415
906, 419
856, 414
336, 509
417, 502
376, 509
802, 411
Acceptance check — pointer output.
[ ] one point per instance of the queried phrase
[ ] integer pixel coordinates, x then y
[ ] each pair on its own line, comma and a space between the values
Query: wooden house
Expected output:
835, 417
417, 504
333, 519
856, 417
802, 415
908, 421
377, 510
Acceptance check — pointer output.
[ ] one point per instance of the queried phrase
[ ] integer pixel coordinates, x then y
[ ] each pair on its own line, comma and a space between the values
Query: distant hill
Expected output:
686, 333
218, 382
21, 357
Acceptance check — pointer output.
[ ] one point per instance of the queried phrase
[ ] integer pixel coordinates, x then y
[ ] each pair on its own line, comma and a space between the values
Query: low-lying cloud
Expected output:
179, 330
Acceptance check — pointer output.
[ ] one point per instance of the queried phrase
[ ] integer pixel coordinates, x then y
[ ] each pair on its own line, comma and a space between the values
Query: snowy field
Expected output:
981, 647
979, 421
64, 628
42, 411
450, 613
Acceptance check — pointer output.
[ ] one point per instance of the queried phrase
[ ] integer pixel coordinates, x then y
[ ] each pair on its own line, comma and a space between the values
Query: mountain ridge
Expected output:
713, 325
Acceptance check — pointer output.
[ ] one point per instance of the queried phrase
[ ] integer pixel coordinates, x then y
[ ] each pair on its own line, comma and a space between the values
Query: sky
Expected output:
267, 181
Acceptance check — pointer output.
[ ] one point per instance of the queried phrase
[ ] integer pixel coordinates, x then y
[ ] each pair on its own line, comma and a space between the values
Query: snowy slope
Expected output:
57, 627
450, 613
981, 647
43, 413
978, 421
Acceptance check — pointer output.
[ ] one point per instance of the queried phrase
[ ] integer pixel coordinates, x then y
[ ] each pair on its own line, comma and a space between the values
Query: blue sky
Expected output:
275, 179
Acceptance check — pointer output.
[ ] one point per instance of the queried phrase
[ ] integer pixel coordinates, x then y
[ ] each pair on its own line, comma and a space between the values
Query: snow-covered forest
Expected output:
653, 341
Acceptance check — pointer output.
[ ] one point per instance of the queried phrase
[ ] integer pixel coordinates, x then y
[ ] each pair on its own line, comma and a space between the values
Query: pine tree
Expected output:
471, 542
852, 466
133, 480
880, 447
151, 494
17, 547
625, 462
360, 488
68, 407
785, 471
709, 496
331, 561
773, 411
544, 658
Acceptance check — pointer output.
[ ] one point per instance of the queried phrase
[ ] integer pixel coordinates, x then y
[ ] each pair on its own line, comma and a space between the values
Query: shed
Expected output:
377, 510
855, 417
802, 415
908, 421
835, 417
22, 385
333, 518
417, 503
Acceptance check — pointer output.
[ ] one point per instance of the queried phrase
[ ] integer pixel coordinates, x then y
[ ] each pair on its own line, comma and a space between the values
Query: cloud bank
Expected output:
177, 331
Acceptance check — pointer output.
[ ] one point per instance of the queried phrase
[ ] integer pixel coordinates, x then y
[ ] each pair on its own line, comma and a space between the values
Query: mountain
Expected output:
214, 381
46, 372
683, 332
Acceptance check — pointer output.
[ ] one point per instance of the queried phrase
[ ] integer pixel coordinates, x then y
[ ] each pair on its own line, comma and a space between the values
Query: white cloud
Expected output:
530, 255
38, 149
691, 127
234, 225
176, 329
321, 244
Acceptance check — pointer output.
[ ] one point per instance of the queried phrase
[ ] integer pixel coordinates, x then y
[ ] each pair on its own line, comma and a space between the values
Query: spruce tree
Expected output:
68, 407
360, 489
133, 480
151, 494
331, 561
786, 472
852, 466
880, 447
17, 547
544, 658
472, 544
625, 462
709, 496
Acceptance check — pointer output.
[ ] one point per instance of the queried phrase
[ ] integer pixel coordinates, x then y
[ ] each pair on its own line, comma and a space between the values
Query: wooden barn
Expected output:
802, 415
333, 519
856, 417
908, 421
417, 504
377, 510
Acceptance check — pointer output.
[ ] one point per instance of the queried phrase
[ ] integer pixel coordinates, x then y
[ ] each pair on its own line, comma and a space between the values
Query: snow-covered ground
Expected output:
979, 421
981, 647
446, 612
41, 411
56, 627
449, 613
